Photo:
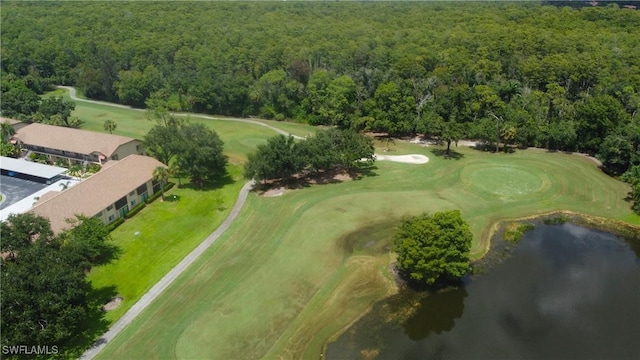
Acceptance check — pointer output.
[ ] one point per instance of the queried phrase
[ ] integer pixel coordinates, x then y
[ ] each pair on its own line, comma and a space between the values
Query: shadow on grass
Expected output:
307, 179
171, 198
509, 149
94, 324
207, 185
451, 155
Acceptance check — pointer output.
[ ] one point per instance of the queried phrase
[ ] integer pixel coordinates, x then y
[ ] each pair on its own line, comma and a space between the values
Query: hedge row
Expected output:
135, 210
153, 197
115, 224
138, 208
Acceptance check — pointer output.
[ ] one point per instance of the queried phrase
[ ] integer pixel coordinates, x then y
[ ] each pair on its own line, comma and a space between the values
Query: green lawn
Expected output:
296, 269
161, 235
239, 138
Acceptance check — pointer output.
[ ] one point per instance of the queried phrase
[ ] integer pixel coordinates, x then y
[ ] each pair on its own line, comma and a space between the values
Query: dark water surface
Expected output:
566, 292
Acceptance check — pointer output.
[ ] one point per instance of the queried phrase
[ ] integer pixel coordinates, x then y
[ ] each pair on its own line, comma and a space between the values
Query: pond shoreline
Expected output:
628, 232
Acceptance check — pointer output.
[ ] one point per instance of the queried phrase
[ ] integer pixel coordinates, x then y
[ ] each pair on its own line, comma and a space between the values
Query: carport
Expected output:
29, 170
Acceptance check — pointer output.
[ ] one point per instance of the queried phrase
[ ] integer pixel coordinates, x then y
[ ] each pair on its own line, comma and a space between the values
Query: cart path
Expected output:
72, 94
172, 275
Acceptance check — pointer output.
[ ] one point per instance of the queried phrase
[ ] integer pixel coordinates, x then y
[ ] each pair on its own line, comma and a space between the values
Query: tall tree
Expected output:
57, 106
201, 154
433, 248
279, 158
163, 142
43, 287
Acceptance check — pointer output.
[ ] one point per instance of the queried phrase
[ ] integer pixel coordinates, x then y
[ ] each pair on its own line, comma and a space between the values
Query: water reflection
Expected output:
566, 292
436, 314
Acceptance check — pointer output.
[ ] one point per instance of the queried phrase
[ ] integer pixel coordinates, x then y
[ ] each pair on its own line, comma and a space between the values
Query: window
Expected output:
110, 207
132, 193
99, 214
122, 202
111, 217
133, 203
142, 189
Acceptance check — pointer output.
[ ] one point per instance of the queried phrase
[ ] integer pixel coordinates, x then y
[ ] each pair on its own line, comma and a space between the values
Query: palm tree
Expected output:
110, 125
161, 174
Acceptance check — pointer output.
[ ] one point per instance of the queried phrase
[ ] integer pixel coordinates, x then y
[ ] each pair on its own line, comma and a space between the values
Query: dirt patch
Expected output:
113, 304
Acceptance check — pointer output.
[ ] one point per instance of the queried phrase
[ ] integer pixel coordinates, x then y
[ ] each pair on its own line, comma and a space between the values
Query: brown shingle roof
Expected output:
9, 121
97, 192
68, 139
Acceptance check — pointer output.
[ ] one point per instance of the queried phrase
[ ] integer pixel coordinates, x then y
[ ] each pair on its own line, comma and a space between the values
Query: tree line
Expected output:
334, 149
508, 74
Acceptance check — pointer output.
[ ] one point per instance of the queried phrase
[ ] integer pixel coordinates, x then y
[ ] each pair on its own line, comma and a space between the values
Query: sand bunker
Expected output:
407, 159
274, 192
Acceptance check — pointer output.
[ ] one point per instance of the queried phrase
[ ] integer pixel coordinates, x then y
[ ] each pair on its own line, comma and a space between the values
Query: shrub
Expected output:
153, 197
93, 168
135, 210
115, 224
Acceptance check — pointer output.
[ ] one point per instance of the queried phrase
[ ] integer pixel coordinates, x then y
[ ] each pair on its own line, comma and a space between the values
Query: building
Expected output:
75, 145
107, 195
15, 124
32, 171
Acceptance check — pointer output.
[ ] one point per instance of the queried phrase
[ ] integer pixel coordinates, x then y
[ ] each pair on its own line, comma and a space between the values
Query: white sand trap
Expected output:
407, 159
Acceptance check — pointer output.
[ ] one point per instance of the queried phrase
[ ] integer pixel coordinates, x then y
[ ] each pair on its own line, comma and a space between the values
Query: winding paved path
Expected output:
72, 94
173, 274
161, 285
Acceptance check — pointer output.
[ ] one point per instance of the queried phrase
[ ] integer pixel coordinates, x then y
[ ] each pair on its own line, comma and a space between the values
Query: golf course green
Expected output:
296, 269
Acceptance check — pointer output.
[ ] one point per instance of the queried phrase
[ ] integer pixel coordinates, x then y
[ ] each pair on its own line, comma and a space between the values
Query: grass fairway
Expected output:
294, 270
161, 235
239, 138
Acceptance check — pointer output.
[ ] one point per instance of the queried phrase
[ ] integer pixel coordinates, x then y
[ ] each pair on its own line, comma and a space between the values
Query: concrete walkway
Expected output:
161, 285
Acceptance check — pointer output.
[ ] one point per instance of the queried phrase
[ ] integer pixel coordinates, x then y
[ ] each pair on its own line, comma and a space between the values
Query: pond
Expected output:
563, 292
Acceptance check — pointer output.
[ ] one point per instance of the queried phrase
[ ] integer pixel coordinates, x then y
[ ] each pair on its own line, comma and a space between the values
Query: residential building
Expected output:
75, 145
107, 195
15, 124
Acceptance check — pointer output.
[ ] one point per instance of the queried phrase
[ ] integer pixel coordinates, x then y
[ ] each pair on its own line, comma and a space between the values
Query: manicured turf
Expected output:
157, 238
239, 138
162, 234
294, 270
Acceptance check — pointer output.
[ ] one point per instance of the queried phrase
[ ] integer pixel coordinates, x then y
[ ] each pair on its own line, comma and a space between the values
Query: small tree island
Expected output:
433, 249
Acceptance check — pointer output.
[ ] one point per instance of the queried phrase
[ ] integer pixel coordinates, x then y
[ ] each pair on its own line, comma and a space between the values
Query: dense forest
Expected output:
516, 74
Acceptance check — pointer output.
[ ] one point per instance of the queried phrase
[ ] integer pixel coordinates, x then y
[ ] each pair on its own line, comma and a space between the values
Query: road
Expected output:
161, 285
72, 94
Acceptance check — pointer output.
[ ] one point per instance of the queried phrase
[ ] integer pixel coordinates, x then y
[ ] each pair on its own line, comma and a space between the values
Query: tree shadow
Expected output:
488, 147
171, 198
212, 184
93, 325
451, 155
308, 178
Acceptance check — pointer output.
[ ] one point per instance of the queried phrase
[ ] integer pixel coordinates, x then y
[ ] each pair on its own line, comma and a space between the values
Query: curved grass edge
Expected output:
625, 230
